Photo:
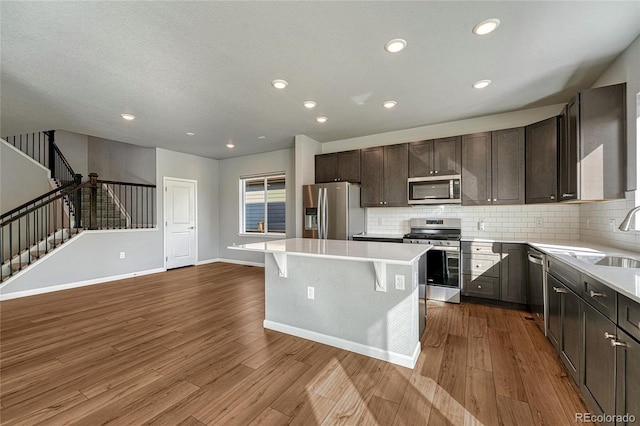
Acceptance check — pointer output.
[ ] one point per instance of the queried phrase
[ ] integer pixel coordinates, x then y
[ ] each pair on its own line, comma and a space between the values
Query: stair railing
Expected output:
41, 147
32, 230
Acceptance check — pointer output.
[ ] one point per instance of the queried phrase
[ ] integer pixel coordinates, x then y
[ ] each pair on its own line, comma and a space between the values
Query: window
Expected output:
263, 204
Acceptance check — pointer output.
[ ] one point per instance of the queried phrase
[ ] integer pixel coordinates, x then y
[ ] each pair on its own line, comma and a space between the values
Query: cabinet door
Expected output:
507, 169
476, 169
568, 160
571, 341
372, 174
421, 159
598, 377
541, 162
326, 168
396, 165
349, 166
627, 377
513, 273
554, 306
446, 156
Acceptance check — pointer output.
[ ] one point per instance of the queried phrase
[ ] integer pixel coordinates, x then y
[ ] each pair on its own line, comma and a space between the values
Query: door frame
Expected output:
164, 215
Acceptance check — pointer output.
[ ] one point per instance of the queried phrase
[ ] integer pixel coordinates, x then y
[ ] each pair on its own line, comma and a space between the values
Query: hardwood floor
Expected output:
187, 347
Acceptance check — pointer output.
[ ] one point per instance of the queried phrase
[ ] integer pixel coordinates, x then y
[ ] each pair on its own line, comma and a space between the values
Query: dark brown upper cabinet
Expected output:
338, 167
436, 157
541, 161
493, 167
384, 176
592, 157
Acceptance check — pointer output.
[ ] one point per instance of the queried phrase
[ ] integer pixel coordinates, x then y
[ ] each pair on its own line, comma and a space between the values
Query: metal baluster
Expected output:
10, 248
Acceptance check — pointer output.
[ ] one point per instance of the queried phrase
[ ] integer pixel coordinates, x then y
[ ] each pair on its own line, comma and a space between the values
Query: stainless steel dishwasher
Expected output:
537, 287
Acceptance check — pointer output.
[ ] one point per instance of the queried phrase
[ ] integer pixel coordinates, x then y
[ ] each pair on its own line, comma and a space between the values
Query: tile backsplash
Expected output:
595, 224
548, 221
554, 222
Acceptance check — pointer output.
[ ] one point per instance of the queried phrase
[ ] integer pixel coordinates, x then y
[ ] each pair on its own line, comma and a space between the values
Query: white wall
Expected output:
454, 128
205, 172
120, 161
75, 148
230, 172
21, 178
92, 256
305, 151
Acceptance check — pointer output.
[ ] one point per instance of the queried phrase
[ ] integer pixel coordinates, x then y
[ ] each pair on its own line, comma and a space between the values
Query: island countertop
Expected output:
392, 253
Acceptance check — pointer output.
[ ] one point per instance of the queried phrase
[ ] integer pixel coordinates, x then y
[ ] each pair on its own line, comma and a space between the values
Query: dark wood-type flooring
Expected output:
187, 347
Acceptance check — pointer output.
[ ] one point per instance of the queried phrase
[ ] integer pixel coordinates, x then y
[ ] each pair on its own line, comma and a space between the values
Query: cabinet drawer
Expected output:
629, 316
488, 288
599, 296
487, 265
480, 248
565, 273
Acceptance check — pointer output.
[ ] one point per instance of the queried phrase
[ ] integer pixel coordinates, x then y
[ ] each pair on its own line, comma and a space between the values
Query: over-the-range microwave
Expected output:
434, 190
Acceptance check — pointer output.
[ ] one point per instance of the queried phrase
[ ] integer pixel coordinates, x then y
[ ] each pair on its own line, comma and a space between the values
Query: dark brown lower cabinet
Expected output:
554, 306
627, 379
513, 273
598, 382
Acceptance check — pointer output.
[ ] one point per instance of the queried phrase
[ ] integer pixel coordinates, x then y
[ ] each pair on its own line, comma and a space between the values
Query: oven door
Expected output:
443, 267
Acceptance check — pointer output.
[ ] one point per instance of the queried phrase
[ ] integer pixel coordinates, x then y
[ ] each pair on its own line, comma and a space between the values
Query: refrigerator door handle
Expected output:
325, 214
319, 213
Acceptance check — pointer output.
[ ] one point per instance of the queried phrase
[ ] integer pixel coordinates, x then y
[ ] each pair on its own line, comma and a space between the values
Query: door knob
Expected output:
191, 227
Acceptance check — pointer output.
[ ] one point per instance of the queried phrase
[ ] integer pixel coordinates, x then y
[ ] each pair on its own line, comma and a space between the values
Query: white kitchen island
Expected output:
346, 294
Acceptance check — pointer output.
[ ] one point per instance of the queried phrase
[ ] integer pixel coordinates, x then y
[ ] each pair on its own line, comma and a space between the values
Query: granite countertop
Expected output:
625, 281
400, 254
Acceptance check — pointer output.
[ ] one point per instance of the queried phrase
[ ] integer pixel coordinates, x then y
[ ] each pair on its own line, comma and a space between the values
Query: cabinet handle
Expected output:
553, 197
495, 199
430, 172
477, 248
607, 335
436, 172
385, 202
477, 266
479, 286
380, 202
568, 194
617, 343
488, 199
595, 294
560, 290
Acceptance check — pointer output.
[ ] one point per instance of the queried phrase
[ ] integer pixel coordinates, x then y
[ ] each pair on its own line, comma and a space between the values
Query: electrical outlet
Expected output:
311, 293
612, 224
399, 282
122, 255
539, 221
481, 225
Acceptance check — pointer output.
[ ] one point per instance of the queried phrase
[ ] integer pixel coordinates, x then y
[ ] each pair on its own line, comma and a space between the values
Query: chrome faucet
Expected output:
626, 223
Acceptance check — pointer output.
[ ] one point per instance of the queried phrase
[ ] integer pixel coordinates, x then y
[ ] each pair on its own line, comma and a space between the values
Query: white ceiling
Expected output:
206, 67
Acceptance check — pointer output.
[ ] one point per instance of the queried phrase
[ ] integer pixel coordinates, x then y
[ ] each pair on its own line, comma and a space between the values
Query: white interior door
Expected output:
180, 222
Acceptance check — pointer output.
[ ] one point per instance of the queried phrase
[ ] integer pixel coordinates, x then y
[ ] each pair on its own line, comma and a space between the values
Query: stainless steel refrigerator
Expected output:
332, 211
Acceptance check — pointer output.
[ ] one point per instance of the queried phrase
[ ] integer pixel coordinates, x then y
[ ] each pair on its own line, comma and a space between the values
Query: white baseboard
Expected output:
392, 357
241, 262
50, 289
207, 261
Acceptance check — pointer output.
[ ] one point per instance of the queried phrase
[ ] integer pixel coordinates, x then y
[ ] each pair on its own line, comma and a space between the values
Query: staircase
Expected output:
34, 229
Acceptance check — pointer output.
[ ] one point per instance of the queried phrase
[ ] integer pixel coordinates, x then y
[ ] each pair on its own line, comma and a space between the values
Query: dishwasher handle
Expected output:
535, 259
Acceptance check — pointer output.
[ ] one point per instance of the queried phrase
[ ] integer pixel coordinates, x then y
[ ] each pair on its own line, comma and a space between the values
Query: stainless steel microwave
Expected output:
434, 190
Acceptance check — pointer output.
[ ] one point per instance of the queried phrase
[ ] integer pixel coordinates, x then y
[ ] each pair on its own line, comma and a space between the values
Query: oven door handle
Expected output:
447, 249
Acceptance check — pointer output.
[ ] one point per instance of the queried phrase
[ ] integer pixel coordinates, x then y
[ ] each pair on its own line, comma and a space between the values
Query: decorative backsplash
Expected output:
548, 221
554, 222
595, 227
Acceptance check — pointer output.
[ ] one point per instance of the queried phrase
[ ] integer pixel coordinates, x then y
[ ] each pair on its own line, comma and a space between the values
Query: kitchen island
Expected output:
354, 295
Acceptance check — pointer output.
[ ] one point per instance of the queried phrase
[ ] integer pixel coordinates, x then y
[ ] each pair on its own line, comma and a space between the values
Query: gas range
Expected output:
445, 232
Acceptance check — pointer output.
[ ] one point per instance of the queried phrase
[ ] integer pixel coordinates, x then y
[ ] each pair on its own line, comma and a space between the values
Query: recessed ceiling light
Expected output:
230, 145
481, 84
190, 133
395, 45
321, 119
262, 137
486, 26
128, 117
389, 104
309, 104
279, 84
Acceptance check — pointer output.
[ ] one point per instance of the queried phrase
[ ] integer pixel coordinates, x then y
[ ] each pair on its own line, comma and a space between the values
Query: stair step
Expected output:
18, 266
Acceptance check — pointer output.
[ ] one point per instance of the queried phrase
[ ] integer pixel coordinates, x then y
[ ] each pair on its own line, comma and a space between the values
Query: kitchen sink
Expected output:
602, 260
